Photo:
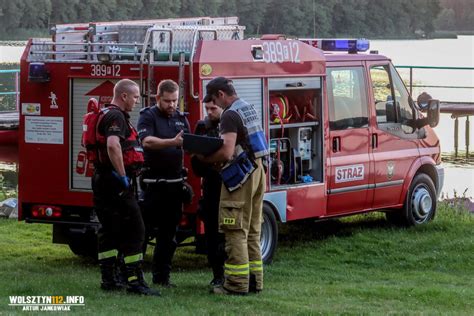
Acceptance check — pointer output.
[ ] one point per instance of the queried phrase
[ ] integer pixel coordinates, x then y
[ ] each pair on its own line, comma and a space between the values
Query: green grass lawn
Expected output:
358, 265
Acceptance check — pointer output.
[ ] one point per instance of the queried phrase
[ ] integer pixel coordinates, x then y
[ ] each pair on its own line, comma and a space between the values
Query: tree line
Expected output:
308, 18
456, 15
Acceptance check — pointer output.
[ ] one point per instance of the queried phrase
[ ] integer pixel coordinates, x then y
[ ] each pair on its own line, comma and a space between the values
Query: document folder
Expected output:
203, 145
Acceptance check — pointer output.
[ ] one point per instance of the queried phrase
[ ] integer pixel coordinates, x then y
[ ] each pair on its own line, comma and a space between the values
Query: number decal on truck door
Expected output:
278, 52
105, 70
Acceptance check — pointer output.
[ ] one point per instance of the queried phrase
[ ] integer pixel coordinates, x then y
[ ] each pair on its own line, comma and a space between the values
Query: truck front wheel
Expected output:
269, 234
420, 204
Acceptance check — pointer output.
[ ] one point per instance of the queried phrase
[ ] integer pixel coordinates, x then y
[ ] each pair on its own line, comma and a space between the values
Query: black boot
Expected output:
218, 273
253, 285
217, 281
163, 280
121, 271
136, 283
108, 272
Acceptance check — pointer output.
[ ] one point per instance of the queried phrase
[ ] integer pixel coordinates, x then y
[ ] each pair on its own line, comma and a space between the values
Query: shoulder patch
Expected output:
182, 113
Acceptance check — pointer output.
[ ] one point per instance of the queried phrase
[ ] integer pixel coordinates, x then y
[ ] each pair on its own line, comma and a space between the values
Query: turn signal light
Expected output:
46, 211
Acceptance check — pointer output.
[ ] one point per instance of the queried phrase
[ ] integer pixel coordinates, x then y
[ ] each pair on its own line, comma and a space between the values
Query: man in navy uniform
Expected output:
160, 129
211, 191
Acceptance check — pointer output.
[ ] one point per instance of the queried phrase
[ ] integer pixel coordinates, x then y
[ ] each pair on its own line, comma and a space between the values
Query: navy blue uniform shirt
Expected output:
167, 162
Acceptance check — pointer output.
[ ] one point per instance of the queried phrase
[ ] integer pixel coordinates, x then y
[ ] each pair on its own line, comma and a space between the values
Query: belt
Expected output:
162, 180
131, 173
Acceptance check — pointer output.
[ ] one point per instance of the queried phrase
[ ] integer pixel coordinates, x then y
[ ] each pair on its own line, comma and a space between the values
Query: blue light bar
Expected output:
350, 46
339, 45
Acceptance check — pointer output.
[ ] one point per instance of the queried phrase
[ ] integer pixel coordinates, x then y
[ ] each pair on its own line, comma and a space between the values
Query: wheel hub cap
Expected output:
422, 203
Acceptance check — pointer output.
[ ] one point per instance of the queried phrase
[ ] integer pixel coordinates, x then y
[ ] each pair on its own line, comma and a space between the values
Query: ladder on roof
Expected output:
101, 27
147, 42
179, 54
125, 40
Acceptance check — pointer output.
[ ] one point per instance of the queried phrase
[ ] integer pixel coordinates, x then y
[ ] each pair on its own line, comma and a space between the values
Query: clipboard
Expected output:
202, 145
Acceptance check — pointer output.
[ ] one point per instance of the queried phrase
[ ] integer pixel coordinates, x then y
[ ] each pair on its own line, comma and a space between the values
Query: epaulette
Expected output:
200, 127
201, 123
148, 108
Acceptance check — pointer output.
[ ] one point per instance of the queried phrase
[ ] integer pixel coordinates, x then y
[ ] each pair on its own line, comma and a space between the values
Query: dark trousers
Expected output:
122, 226
209, 212
163, 209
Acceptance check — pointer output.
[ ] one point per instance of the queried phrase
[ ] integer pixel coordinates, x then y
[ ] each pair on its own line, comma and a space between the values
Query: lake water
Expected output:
438, 52
443, 53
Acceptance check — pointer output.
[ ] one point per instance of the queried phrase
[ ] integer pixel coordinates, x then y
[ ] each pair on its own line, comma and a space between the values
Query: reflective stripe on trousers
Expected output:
133, 258
236, 269
256, 265
108, 254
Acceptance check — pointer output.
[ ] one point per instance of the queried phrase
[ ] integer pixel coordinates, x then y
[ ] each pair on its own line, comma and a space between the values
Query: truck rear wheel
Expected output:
84, 246
269, 234
420, 203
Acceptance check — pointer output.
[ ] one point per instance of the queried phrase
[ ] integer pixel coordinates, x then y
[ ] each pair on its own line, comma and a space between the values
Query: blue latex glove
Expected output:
306, 178
123, 179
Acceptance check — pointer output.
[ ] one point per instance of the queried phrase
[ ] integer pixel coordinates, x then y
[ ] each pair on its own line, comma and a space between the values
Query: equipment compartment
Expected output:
295, 131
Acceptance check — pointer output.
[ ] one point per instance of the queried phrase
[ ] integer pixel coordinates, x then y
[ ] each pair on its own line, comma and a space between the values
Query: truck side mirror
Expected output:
433, 112
432, 118
423, 101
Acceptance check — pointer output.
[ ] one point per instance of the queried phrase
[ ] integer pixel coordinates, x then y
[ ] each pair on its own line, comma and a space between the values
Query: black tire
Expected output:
269, 234
420, 203
84, 245
395, 217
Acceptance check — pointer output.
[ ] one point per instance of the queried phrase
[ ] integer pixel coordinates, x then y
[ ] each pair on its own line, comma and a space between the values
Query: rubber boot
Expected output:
108, 272
136, 283
120, 271
163, 280
218, 276
253, 285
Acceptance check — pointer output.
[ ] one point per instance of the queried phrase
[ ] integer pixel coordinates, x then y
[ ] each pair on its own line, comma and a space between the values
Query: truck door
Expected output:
393, 136
349, 163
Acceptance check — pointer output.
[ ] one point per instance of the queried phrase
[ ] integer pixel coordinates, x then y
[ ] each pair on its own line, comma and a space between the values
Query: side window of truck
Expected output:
393, 103
347, 98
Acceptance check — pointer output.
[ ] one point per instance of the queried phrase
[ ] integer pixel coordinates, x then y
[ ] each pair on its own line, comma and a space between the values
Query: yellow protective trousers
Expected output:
240, 219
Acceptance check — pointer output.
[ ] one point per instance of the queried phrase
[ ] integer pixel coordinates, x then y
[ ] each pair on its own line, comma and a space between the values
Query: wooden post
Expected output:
411, 81
456, 128
467, 136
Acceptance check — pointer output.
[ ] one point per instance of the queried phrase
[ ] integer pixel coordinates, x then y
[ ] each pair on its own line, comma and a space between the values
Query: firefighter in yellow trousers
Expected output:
243, 186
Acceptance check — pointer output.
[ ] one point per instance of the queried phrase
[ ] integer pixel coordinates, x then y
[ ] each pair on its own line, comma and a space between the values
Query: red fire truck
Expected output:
345, 135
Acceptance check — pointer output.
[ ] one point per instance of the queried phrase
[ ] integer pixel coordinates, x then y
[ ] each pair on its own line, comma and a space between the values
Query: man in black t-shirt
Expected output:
122, 229
160, 128
243, 186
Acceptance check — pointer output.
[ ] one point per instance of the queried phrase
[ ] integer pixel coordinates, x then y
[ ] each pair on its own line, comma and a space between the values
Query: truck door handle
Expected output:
375, 140
336, 144
298, 84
